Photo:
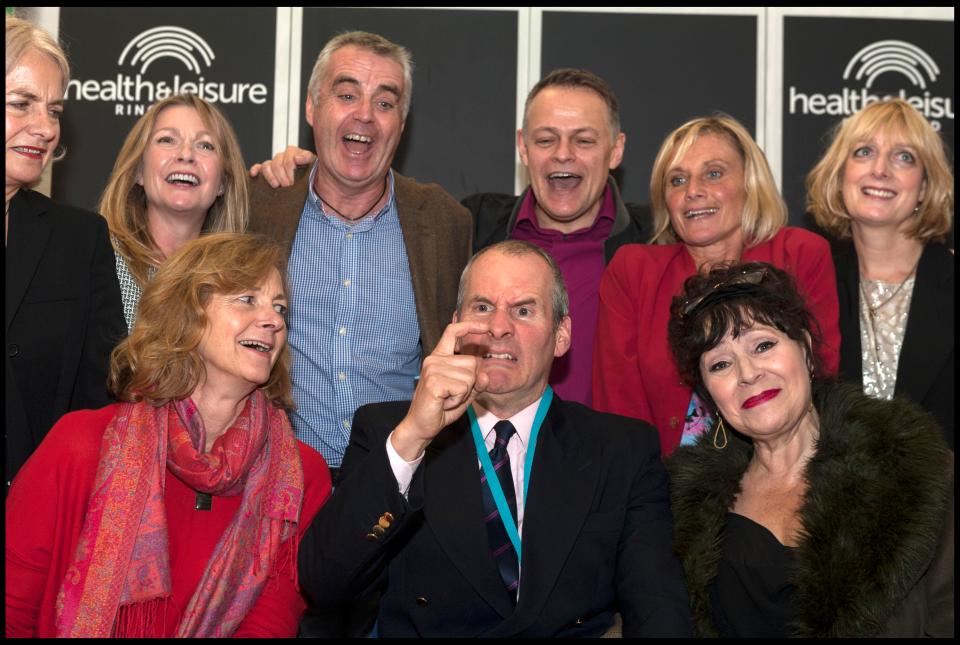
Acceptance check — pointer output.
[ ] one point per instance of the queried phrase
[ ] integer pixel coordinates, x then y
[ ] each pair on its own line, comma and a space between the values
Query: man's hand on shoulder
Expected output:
281, 170
449, 382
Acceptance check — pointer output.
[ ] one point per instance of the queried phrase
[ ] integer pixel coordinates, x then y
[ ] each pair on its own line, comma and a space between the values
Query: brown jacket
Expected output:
436, 232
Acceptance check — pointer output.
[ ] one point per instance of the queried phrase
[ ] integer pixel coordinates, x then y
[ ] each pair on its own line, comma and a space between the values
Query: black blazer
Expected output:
597, 534
925, 371
64, 316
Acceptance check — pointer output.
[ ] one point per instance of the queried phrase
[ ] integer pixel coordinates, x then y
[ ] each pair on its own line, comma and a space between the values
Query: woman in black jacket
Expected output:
812, 510
884, 190
63, 312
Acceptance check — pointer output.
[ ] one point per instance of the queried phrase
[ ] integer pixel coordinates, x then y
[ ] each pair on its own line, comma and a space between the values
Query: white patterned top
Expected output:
130, 290
884, 308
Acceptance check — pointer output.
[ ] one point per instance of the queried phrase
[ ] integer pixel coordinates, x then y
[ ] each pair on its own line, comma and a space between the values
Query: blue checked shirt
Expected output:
353, 323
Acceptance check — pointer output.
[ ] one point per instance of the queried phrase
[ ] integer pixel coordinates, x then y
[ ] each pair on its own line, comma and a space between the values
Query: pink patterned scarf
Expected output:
120, 575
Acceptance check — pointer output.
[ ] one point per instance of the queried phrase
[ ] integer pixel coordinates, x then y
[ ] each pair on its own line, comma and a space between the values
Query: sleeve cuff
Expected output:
403, 471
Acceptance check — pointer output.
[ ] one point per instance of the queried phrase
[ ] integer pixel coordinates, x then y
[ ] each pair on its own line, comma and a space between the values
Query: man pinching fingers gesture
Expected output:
449, 382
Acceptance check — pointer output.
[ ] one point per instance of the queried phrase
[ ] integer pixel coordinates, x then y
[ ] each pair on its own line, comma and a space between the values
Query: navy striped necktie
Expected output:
500, 546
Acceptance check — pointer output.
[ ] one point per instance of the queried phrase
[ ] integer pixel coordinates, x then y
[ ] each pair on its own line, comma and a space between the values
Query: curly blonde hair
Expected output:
159, 362
124, 202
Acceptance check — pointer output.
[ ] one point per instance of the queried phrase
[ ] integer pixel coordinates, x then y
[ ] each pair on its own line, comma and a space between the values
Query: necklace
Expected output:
873, 309
365, 213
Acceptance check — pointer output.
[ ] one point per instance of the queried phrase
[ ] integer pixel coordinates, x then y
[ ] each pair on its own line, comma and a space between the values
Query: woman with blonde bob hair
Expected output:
179, 174
884, 189
177, 512
714, 201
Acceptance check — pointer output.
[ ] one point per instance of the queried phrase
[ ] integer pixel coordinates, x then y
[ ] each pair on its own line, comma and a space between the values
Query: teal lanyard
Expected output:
496, 490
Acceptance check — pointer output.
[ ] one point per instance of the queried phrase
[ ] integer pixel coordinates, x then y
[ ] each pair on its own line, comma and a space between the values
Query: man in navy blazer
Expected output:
407, 517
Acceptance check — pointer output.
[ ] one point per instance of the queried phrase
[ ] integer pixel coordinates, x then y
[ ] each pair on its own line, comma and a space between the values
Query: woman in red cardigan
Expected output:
714, 201
178, 511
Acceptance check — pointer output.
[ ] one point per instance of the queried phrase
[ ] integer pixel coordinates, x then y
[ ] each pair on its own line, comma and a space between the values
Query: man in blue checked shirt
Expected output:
374, 257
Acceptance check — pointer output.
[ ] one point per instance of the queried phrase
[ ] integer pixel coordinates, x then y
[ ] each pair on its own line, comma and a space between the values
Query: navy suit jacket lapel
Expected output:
563, 481
29, 230
454, 512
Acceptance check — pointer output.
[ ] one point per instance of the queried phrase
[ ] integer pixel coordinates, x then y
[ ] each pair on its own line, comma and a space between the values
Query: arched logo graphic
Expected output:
168, 42
892, 56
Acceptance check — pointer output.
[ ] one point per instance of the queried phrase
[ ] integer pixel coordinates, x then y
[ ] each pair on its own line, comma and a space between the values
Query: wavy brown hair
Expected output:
159, 362
124, 202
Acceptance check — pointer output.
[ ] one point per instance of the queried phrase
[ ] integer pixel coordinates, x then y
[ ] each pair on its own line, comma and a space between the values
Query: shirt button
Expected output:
13, 349
343, 376
343, 331
346, 424
346, 282
349, 236
422, 601
674, 422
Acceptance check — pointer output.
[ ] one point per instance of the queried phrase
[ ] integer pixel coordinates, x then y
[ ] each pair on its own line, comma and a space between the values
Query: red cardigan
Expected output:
45, 512
633, 369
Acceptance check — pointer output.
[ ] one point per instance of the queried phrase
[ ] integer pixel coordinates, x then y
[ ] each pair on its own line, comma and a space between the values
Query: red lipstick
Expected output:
763, 397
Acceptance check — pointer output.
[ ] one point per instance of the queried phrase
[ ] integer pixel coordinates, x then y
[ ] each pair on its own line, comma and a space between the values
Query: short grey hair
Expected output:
372, 43
560, 299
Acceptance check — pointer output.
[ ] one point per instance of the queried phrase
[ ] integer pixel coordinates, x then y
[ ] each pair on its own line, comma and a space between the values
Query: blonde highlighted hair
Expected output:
159, 361
764, 211
124, 202
23, 36
897, 118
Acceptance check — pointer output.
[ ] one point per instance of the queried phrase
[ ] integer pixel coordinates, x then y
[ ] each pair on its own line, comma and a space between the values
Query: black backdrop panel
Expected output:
460, 130
664, 69
816, 54
226, 56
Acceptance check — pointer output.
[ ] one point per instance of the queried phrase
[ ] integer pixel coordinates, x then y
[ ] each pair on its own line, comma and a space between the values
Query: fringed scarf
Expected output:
120, 576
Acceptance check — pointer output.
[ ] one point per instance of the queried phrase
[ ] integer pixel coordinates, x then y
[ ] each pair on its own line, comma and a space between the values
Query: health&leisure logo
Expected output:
132, 92
884, 57
172, 42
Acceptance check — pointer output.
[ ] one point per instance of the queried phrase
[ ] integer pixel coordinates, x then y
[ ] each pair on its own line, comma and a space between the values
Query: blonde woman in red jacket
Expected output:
714, 201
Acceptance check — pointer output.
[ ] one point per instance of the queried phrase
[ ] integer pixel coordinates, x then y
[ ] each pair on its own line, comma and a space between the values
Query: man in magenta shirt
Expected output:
569, 143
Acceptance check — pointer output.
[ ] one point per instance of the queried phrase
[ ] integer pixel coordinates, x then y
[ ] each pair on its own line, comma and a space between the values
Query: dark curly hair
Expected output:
731, 299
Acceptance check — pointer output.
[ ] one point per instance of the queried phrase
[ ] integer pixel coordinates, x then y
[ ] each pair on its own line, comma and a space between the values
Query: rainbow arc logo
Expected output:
168, 42
898, 56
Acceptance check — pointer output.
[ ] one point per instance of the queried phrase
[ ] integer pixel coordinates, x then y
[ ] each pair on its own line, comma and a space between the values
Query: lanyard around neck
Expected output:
496, 490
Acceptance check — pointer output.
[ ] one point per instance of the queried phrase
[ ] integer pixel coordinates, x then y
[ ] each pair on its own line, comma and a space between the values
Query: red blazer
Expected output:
633, 369
45, 512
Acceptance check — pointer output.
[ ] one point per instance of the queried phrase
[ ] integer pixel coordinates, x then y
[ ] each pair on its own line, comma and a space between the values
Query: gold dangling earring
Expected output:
720, 430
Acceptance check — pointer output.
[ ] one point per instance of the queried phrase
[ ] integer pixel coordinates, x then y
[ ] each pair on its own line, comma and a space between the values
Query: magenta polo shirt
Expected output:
580, 257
